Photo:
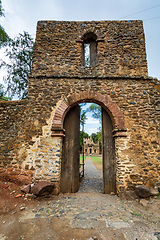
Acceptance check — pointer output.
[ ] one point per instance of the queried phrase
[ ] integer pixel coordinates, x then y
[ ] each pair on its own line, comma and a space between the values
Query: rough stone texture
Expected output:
120, 48
42, 188
154, 191
31, 130
128, 195
142, 191
26, 188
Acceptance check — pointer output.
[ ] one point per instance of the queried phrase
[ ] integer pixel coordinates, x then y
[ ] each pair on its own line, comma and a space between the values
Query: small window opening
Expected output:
89, 50
87, 54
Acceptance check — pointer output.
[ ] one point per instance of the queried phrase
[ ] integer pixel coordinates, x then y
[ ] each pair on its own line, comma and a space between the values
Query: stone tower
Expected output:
34, 130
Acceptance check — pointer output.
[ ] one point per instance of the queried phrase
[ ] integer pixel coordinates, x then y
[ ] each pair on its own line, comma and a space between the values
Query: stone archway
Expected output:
112, 117
104, 101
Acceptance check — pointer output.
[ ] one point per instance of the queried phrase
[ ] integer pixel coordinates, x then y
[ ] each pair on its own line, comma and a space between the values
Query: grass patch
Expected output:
97, 161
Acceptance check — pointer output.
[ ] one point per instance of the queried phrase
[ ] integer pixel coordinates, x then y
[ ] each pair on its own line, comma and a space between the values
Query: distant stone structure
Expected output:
38, 135
90, 148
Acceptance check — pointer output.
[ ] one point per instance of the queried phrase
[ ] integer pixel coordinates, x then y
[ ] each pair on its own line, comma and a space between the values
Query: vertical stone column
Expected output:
124, 165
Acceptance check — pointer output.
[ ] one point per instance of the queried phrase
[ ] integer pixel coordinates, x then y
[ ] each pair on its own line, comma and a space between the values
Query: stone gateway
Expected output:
39, 134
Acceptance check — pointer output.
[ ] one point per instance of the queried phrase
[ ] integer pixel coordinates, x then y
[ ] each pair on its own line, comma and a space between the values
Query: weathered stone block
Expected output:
142, 191
42, 188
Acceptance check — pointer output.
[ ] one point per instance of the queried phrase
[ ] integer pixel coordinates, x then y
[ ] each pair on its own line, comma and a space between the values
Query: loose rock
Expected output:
144, 202
42, 188
142, 191
154, 192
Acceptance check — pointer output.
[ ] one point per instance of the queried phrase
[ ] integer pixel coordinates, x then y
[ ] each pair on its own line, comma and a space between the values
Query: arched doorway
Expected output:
70, 153
114, 119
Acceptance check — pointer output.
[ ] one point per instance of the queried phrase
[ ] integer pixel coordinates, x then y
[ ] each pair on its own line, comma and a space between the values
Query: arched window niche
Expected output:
89, 49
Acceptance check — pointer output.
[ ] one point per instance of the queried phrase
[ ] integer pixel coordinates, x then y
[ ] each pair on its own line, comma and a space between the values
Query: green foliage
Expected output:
19, 51
97, 159
1, 9
81, 159
96, 111
94, 137
134, 213
4, 38
83, 117
100, 139
97, 137
2, 94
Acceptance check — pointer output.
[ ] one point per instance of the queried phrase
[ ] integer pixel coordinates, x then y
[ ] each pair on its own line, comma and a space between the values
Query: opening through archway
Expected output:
70, 168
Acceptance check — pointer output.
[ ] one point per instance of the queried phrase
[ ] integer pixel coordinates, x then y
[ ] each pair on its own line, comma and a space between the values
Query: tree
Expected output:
94, 137
19, 52
83, 119
3, 93
4, 38
100, 139
96, 111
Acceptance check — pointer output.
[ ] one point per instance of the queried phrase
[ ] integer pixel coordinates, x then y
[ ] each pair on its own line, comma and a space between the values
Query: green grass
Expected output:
97, 159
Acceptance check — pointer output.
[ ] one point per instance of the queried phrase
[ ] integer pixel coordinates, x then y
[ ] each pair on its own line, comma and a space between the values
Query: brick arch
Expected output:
89, 96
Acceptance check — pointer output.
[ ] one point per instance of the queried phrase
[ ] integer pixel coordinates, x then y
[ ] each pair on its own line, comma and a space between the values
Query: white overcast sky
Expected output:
22, 15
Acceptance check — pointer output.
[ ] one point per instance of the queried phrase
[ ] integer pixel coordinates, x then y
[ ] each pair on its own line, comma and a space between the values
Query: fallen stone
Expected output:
26, 188
154, 191
128, 195
142, 191
42, 188
144, 202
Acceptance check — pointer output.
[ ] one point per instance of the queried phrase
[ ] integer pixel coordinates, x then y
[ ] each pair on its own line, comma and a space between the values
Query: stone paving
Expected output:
92, 181
85, 215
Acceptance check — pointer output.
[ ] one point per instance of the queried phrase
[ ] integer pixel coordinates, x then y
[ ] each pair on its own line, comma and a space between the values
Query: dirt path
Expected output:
85, 215
92, 181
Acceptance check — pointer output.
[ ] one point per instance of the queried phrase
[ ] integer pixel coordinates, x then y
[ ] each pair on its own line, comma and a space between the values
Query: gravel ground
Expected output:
92, 181
85, 215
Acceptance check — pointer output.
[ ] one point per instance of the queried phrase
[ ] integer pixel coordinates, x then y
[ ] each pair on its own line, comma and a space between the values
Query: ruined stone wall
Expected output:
21, 124
14, 136
137, 154
27, 143
30, 152
120, 48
